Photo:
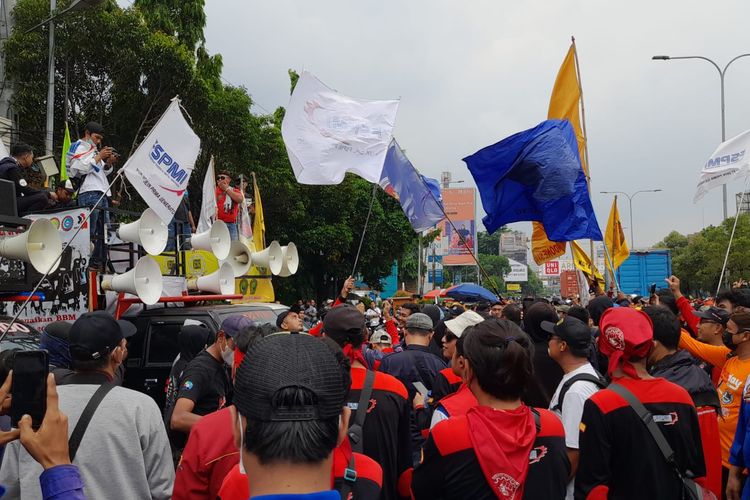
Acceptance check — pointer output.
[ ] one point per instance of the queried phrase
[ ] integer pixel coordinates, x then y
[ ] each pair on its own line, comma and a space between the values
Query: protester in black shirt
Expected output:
28, 199
619, 457
193, 338
547, 373
204, 383
385, 432
501, 448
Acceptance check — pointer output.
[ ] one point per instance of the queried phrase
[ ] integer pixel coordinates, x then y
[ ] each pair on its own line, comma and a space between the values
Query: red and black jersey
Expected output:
386, 436
618, 456
446, 383
450, 468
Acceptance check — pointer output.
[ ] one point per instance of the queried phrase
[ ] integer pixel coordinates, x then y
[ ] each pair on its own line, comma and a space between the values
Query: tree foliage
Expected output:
488, 244
122, 67
697, 259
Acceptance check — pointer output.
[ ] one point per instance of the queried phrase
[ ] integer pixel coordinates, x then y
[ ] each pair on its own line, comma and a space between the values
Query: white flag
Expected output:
729, 162
208, 203
328, 134
583, 288
161, 166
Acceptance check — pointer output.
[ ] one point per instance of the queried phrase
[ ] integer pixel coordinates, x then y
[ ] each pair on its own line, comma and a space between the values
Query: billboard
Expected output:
460, 205
552, 268
518, 272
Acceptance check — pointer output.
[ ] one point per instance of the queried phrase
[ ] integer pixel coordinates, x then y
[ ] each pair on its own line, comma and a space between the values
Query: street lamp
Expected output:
722, 72
630, 202
75, 5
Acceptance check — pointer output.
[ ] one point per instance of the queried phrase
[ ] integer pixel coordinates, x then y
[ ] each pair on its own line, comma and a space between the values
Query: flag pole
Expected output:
364, 229
54, 263
731, 237
585, 136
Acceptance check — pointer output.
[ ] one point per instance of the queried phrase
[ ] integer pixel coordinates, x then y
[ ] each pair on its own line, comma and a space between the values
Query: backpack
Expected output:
597, 379
355, 433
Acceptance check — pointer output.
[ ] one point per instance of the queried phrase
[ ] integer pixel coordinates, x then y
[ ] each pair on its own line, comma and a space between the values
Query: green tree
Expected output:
488, 244
533, 286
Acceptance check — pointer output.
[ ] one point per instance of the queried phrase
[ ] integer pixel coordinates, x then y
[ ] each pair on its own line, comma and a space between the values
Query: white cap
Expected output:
463, 321
69, 185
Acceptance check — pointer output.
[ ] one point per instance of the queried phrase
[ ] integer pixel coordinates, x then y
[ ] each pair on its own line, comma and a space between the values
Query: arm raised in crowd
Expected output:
683, 304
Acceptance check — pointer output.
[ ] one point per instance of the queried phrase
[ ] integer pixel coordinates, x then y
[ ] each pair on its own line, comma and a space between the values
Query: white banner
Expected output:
66, 290
208, 203
161, 166
729, 162
518, 272
328, 134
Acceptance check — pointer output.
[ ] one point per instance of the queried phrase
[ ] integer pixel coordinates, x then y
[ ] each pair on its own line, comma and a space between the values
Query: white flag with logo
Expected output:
208, 203
730, 161
161, 166
328, 134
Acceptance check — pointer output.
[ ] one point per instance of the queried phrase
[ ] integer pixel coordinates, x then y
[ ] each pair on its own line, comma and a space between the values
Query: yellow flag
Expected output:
563, 105
259, 226
583, 262
542, 248
614, 238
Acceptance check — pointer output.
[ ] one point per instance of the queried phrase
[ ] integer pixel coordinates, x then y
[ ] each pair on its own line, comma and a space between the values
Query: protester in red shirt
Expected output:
501, 448
228, 200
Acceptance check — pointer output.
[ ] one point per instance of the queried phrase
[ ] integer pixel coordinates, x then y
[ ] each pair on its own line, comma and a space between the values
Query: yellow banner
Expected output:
513, 287
542, 248
614, 238
200, 262
583, 262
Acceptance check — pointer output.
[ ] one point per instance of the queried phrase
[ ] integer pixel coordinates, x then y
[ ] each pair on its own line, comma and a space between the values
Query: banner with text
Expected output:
459, 243
65, 291
518, 272
161, 166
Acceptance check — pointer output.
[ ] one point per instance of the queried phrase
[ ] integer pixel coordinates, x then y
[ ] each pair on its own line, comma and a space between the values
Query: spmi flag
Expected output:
328, 134
161, 166
730, 161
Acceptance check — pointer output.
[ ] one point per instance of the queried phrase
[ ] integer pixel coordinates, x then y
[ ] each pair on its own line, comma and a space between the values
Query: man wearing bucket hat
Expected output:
619, 457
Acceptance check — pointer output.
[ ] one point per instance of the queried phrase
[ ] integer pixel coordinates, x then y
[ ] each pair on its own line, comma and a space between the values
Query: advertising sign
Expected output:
458, 243
65, 291
518, 272
513, 287
552, 268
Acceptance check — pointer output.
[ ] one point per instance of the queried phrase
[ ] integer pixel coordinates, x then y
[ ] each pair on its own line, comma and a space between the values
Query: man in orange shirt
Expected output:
734, 371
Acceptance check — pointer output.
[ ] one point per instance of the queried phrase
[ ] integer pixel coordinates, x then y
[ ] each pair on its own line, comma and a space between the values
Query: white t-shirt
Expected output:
572, 408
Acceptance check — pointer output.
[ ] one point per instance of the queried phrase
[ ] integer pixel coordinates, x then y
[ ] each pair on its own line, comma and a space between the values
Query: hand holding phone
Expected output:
420, 387
48, 445
29, 387
7, 437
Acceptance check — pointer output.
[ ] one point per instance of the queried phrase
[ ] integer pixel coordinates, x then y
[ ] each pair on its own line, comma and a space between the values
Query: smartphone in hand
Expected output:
29, 388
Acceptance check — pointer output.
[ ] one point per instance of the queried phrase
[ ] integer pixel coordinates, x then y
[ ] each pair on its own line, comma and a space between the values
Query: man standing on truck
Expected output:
204, 383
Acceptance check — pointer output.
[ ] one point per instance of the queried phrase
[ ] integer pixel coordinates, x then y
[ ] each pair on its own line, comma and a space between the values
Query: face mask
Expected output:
726, 337
228, 356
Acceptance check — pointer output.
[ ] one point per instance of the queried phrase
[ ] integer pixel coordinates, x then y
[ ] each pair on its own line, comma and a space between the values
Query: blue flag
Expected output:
536, 175
419, 195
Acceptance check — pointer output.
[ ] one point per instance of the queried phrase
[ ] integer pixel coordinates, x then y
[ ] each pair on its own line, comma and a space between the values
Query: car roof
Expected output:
221, 309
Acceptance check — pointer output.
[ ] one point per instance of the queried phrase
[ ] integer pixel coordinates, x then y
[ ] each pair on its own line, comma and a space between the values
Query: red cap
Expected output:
625, 334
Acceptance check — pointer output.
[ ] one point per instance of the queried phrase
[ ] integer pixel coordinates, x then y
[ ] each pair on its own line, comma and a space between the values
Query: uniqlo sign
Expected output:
552, 268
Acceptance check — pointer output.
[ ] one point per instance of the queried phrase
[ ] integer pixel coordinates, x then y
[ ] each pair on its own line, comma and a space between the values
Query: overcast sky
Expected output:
471, 73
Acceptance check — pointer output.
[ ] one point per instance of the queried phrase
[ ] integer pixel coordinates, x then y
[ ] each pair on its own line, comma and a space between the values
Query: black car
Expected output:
152, 350
20, 336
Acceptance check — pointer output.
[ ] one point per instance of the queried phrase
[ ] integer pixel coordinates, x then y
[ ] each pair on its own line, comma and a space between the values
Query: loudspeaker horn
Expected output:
149, 231
144, 280
289, 259
238, 258
39, 245
216, 240
221, 281
270, 258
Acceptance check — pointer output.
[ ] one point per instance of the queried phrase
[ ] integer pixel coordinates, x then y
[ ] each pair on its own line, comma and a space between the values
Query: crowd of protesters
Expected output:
617, 398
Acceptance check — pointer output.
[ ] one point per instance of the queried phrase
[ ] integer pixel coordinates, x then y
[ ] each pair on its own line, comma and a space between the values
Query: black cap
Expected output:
572, 330
283, 360
95, 334
715, 315
94, 128
343, 320
58, 329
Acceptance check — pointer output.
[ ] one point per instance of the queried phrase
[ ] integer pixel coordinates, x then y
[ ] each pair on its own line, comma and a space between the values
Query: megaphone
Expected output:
238, 258
39, 245
216, 240
221, 281
289, 259
149, 231
270, 257
144, 280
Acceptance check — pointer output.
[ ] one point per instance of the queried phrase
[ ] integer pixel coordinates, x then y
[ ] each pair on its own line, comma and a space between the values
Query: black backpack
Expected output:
597, 379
